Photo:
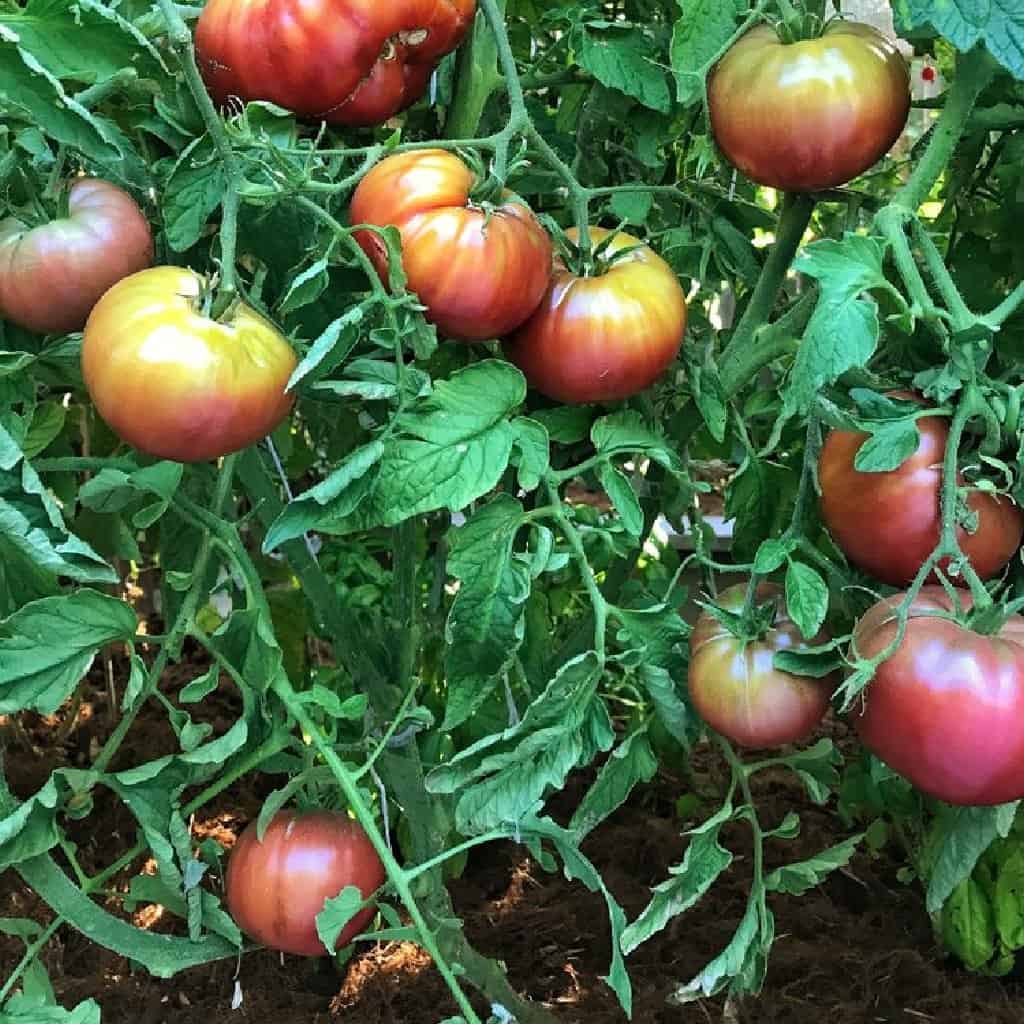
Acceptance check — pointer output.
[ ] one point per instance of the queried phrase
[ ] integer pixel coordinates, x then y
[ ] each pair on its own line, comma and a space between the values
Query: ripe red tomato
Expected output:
174, 383
480, 272
52, 275
275, 888
737, 690
889, 523
603, 338
811, 114
947, 709
341, 61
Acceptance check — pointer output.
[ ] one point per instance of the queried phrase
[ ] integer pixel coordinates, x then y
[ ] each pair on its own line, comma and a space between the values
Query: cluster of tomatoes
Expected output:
946, 709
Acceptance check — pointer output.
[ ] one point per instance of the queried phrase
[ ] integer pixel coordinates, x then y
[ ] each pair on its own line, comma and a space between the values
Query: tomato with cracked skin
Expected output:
52, 275
175, 383
479, 270
350, 62
735, 686
888, 523
607, 336
946, 710
810, 114
276, 886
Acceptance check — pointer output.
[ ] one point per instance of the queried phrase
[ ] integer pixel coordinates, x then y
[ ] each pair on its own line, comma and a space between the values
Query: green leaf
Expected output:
337, 496
816, 768
200, 687
305, 288
28, 829
193, 192
337, 913
967, 924
959, 837
796, 879
485, 625
631, 762
47, 647
888, 447
672, 710
34, 539
1008, 895
566, 424
772, 554
632, 207
628, 433
806, 598
617, 486
742, 964
703, 28
1000, 26
843, 330
20, 1009
578, 868
531, 439
47, 423
331, 347
704, 861
33, 93
622, 61
502, 777
456, 446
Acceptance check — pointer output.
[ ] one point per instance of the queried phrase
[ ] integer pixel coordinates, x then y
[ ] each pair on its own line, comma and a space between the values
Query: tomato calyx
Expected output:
750, 624
796, 26
989, 620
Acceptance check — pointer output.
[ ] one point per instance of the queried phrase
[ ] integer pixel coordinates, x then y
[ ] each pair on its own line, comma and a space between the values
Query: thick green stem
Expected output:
796, 215
974, 71
1007, 307
597, 599
958, 309
949, 544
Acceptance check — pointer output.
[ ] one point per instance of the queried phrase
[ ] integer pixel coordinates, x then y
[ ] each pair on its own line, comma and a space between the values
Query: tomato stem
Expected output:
974, 71
397, 876
182, 621
181, 41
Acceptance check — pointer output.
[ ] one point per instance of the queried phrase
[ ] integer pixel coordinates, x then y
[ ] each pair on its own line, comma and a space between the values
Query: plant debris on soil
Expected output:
858, 949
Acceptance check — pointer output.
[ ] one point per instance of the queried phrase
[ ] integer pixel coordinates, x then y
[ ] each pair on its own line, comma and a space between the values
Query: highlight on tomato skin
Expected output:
888, 523
606, 337
811, 114
480, 271
176, 384
275, 888
53, 274
735, 686
946, 710
340, 61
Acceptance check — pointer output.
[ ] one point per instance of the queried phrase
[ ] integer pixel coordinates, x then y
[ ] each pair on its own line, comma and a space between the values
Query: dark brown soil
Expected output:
857, 950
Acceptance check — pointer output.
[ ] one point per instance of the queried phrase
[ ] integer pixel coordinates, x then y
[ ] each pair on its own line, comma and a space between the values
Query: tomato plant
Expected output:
351, 64
276, 886
607, 336
175, 383
946, 709
479, 270
322, 555
52, 275
888, 523
735, 686
809, 114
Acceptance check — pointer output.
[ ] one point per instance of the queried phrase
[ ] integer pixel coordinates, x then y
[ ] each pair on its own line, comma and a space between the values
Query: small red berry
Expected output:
928, 73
